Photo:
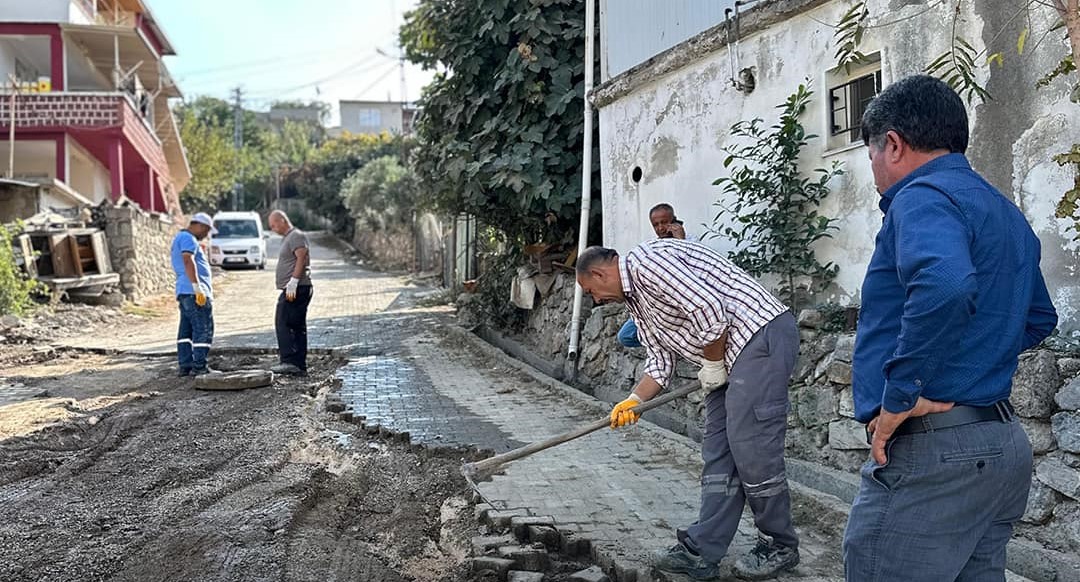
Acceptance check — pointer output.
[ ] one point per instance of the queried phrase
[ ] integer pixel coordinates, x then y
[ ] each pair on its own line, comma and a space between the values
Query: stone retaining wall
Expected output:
821, 424
139, 246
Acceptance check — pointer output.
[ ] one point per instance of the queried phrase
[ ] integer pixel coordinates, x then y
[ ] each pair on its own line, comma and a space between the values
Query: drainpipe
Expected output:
586, 175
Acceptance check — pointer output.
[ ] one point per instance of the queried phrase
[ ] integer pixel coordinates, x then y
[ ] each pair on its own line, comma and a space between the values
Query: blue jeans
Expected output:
196, 333
942, 508
628, 335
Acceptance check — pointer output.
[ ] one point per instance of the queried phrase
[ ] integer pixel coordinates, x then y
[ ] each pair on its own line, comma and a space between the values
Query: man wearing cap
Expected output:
195, 295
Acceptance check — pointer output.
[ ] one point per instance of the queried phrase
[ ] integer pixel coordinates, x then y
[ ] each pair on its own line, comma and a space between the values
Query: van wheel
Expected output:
262, 266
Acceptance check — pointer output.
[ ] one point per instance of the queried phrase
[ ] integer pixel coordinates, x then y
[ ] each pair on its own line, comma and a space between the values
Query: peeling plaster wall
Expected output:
674, 126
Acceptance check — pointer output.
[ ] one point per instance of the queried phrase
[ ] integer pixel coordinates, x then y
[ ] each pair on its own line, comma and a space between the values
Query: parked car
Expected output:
240, 241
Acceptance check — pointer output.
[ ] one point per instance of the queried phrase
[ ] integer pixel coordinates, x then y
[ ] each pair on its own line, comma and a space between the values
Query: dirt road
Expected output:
111, 468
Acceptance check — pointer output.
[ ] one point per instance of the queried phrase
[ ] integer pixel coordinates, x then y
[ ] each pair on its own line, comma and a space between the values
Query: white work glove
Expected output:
712, 375
290, 289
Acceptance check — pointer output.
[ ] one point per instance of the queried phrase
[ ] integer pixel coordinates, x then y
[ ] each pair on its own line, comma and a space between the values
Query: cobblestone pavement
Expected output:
411, 371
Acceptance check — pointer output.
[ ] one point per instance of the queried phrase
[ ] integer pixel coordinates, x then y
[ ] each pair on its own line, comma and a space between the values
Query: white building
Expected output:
92, 119
392, 117
667, 101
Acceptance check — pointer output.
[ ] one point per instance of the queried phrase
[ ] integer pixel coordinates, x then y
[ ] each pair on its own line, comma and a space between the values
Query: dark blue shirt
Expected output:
952, 295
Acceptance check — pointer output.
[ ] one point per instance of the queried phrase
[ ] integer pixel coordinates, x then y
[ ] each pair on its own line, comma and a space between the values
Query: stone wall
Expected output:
139, 246
821, 424
395, 247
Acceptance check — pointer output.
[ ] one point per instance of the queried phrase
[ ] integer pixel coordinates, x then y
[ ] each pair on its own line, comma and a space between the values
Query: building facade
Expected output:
87, 89
669, 96
392, 117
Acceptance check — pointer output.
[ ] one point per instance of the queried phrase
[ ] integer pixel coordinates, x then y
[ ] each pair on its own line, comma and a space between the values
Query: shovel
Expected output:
486, 466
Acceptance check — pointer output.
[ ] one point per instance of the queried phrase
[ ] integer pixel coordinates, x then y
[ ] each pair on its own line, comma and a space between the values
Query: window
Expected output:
849, 96
370, 118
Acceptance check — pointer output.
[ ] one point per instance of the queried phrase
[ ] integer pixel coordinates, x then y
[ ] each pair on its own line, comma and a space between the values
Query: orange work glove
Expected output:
623, 414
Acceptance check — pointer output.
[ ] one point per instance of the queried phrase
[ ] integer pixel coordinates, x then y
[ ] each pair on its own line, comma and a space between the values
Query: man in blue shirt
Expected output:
195, 295
952, 295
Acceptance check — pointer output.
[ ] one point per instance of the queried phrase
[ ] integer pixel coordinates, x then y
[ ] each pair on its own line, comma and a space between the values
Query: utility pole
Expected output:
11, 134
238, 143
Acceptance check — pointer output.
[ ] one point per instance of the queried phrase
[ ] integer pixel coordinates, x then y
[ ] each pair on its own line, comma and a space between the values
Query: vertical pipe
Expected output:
586, 173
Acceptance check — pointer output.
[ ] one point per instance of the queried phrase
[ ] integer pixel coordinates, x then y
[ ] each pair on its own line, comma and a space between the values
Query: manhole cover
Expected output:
239, 380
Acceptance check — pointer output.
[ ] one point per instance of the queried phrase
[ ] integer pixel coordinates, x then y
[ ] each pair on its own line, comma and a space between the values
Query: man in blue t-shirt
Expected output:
195, 295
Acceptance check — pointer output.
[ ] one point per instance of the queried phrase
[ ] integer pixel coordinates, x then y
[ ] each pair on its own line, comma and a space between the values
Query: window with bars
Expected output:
849, 102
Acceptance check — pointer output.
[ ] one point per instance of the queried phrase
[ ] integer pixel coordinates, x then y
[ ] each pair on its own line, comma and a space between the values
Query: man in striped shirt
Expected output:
691, 302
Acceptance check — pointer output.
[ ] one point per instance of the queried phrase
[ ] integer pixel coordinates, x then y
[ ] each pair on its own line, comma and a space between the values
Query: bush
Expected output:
15, 289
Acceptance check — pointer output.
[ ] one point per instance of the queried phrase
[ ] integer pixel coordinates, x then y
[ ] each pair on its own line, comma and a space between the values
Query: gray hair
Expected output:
594, 256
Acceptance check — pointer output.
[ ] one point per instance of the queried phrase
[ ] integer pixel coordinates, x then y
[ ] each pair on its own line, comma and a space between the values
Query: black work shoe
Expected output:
679, 560
183, 373
766, 560
203, 371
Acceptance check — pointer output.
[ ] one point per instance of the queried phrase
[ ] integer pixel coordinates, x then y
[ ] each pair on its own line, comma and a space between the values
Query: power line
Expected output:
270, 60
333, 78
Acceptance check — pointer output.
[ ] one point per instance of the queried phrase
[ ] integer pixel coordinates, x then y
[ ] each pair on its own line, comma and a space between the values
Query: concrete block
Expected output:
544, 534
499, 566
525, 557
520, 524
519, 576
593, 574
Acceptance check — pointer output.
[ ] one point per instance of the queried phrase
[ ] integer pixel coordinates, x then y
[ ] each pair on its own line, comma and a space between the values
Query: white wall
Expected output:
33, 158
36, 10
86, 175
675, 128
389, 112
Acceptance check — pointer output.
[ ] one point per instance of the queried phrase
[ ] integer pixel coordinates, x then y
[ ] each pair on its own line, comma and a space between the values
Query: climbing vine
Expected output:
770, 209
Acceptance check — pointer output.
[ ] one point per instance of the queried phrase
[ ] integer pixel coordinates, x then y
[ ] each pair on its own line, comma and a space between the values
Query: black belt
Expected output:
959, 415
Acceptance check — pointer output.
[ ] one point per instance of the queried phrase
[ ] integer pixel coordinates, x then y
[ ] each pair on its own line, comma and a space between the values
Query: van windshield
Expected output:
236, 228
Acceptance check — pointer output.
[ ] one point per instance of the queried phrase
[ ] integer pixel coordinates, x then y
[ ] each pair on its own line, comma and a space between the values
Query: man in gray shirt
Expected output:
293, 277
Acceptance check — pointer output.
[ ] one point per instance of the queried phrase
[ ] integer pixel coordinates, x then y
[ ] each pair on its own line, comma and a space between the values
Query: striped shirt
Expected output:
685, 296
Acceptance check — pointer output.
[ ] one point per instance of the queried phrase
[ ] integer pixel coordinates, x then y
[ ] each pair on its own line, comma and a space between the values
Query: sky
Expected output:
288, 49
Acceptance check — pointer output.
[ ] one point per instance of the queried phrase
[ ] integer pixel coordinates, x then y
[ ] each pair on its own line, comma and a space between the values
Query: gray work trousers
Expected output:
942, 509
743, 446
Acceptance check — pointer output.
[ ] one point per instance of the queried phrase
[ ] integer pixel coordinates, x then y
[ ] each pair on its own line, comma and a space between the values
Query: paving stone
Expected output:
484, 543
526, 557
546, 535
520, 525
501, 520
1066, 427
593, 574
519, 576
500, 566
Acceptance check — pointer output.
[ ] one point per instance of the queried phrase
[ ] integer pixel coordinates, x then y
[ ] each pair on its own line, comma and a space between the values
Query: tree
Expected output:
381, 193
212, 159
16, 291
773, 207
500, 136
320, 180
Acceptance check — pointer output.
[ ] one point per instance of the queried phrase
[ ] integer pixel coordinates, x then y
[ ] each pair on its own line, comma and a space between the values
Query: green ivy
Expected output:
501, 133
16, 291
769, 209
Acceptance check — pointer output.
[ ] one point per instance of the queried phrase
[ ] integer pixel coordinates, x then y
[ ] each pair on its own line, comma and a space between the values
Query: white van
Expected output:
240, 241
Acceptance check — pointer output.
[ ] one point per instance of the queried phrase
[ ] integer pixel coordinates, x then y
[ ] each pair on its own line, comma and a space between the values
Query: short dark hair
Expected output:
925, 111
594, 256
663, 206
